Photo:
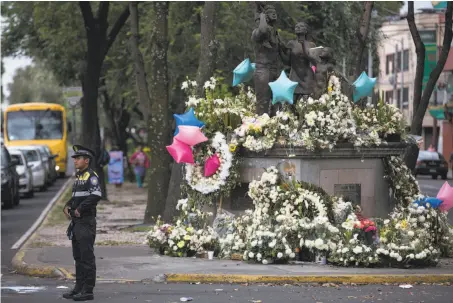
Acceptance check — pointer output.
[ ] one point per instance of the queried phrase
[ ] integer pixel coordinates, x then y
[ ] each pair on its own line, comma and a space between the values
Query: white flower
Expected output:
279, 255
357, 250
251, 255
265, 262
410, 233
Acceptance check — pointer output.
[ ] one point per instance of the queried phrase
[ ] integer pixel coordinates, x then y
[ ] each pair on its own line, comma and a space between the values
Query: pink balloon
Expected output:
313, 68
446, 195
181, 152
211, 165
190, 135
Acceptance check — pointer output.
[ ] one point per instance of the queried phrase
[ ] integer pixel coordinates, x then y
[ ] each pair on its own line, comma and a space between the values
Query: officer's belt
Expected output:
87, 193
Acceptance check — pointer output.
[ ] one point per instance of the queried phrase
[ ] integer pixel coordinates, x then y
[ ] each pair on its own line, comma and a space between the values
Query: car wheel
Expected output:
17, 198
8, 204
444, 177
30, 194
434, 177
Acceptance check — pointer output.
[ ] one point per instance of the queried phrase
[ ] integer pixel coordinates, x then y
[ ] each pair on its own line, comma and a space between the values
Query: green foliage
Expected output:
34, 84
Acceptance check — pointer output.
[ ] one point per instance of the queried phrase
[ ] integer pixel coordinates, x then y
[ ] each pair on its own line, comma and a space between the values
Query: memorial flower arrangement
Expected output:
404, 185
326, 121
190, 234
380, 121
291, 215
195, 174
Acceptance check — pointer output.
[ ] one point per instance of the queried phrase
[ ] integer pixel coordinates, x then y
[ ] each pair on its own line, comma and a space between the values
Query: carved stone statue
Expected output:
324, 66
297, 55
267, 44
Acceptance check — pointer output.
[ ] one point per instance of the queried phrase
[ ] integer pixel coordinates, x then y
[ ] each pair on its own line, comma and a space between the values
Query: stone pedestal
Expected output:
358, 176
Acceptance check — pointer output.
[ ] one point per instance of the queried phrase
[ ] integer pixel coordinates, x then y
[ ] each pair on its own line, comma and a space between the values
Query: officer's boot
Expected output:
85, 295
70, 294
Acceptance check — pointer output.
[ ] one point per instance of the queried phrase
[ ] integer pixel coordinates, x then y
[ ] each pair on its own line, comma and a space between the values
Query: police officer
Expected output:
81, 209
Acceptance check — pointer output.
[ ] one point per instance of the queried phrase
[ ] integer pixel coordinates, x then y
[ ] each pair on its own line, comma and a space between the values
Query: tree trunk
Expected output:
159, 126
208, 45
362, 36
174, 192
417, 120
98, 44
90, 138
421, 99
139, 64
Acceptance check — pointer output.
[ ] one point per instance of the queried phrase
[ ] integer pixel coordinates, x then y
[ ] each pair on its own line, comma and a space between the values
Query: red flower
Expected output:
370, 228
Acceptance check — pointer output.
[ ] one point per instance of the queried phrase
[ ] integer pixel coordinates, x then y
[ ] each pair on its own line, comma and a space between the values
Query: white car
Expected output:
38, 168
24, 171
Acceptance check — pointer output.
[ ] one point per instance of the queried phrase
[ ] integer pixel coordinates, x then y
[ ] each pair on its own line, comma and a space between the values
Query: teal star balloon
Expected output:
283, 89
243, 72
363, 86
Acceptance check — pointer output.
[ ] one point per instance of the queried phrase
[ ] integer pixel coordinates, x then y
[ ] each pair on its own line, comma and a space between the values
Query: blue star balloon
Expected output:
363, 86
188, 118
283, 89
243, 72
434, 202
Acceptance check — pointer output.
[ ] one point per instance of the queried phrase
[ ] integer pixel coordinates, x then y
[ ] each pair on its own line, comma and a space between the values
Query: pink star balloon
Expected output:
181, 152
446, 195
190, 135
211, 165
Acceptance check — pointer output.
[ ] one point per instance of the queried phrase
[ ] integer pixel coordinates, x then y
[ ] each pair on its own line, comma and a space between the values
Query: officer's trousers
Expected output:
83, 251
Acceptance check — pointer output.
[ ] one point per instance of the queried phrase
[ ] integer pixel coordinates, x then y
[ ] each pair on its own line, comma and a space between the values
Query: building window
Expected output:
405, 98
389, 97
405, 61
389, 64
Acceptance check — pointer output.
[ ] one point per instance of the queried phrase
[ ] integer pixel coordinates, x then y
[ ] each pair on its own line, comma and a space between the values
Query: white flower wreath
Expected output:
195, 173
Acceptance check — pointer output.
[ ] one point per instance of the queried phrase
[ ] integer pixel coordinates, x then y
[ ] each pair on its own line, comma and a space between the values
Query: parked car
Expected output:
50, 160
38, 168
10, 180
23, 168
431, 163
47, 162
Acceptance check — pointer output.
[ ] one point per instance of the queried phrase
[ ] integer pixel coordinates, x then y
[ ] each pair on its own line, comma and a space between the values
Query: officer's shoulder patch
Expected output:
94, 180
85, 176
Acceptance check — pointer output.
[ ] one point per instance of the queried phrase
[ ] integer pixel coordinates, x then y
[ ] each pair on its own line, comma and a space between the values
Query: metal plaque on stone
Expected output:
349, 192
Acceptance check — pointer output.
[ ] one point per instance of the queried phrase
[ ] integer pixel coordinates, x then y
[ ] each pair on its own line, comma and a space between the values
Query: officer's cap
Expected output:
82, 151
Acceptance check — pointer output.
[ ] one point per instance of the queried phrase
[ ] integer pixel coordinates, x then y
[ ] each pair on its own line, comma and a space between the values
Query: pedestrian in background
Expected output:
141, 162
81, 209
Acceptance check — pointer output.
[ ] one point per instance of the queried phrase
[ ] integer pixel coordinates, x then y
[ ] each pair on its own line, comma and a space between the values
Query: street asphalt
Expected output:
15, 222
45, 290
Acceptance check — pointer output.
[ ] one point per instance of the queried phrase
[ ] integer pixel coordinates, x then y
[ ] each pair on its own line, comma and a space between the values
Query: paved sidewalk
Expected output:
138, 263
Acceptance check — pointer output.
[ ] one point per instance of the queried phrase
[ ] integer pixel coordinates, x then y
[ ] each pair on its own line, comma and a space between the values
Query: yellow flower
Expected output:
186, 237
233, 147
189, 229
257, 128
146, 149
181, 244
404, 224
329, 89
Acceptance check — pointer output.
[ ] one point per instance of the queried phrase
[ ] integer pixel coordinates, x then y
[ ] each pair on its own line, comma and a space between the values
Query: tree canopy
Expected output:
34, 83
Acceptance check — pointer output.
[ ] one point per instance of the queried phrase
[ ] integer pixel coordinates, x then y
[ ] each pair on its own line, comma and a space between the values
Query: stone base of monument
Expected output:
356, 175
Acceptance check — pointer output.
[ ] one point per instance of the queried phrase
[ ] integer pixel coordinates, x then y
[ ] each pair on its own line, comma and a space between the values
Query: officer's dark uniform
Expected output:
86, 193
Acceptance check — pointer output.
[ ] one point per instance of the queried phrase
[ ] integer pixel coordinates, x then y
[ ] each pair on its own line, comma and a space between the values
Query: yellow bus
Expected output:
38, 123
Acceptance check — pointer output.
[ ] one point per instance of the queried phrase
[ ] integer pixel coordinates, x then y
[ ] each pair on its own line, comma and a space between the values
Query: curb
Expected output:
18, 263
356, 279
21, 267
